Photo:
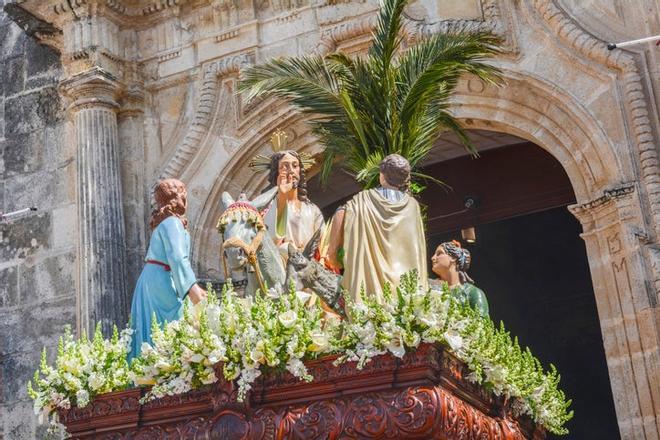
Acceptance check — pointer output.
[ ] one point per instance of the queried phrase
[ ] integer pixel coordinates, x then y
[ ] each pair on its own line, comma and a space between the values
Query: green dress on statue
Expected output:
466, 294
472, 295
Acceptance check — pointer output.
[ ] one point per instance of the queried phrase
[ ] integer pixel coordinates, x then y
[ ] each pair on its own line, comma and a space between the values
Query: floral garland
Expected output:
280, 330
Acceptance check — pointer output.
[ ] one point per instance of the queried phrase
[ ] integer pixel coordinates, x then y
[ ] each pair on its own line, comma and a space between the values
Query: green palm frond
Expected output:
391, 101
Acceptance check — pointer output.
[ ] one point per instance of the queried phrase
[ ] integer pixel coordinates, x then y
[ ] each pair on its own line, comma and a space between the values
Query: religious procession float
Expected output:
322, 329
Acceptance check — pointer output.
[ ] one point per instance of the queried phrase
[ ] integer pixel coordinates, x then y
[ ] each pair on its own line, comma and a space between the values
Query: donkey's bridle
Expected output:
251, 248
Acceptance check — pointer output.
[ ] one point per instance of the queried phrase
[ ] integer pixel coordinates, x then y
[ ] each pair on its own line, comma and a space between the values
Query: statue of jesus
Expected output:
381, 232
291, 217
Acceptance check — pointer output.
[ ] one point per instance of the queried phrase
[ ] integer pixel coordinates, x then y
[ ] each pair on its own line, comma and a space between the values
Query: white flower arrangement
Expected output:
279, 331
410, 316
275, 331
83, 369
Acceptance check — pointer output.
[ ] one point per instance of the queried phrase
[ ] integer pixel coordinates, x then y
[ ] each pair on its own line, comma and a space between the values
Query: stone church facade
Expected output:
101, 98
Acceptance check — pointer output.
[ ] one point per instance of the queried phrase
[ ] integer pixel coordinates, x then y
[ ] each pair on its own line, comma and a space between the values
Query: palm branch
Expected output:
390, 101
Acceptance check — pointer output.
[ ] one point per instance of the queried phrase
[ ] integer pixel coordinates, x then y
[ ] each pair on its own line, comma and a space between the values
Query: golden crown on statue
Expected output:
278, 141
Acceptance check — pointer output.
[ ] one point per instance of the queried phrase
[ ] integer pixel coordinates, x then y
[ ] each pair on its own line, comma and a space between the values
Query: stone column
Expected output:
627, 306
102, 295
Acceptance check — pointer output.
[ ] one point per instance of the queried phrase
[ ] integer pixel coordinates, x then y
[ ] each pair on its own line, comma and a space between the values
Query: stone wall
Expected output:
163, 75
37, 257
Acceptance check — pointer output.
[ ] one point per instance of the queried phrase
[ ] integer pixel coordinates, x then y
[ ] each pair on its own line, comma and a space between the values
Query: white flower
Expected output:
163, 365
217, 355
395, 346
454, 340
296, 367
288, 318
66, 404
319, 341
146, 349
95, 381
197, 358
303, 296
257, 356
273, 293
72, 366
82, 398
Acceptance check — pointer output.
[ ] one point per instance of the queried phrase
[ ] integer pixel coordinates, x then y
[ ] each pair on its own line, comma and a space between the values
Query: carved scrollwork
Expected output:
345, 403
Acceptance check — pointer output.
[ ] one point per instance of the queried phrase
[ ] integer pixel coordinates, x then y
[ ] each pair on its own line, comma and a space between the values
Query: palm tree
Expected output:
393, 100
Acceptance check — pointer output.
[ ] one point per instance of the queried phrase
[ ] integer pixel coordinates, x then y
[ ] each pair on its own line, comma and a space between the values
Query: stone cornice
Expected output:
608, 196
35, 26
148, 8
332, 36
613, 200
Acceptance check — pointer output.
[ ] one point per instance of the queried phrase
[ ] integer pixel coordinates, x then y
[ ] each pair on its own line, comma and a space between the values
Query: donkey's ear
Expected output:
226, 199
292, 250
264, 199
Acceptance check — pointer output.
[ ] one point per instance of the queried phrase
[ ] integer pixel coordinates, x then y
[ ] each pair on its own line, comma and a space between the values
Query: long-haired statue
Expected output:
291, 218
167, 278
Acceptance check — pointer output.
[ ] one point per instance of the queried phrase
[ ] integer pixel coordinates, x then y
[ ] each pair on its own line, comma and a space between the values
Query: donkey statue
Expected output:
247, 251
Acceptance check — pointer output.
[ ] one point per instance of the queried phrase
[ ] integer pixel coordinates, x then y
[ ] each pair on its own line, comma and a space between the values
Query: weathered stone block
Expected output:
22, 153
14, 39
64, 222
40, 58
24, 237
33, 111
42, 189
18, 421
30, 329
20, 368
51, 277
9, 294
13, 75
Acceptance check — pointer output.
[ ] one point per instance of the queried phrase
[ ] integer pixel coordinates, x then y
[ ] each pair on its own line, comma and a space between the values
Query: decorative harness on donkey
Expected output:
243, 211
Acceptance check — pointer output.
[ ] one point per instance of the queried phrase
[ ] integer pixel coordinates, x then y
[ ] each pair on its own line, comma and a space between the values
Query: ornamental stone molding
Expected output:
211, 79
636, 99
151, 92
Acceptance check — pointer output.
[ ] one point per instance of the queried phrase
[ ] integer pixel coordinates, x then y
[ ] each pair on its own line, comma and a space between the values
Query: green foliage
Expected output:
394, 100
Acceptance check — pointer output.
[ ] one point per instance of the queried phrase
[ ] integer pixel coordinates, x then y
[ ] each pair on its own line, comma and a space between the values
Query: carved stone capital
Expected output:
595, 209
93, 88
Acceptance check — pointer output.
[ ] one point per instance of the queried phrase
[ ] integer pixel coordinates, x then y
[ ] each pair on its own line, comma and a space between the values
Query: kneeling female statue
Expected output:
450, 263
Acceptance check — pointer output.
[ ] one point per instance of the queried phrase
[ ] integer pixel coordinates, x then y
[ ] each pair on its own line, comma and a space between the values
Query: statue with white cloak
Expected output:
382, 234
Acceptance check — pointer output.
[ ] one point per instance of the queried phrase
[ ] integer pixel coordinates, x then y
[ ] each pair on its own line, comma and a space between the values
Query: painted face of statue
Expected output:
290, 166
441, 261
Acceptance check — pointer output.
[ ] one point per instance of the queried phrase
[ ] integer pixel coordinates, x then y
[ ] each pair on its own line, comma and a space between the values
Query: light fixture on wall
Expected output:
469, 234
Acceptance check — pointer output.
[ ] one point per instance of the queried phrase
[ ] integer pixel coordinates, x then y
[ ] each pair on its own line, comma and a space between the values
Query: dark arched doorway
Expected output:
528, 258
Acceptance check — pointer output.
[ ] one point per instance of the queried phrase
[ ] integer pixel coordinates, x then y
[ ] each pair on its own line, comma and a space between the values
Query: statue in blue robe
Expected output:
167, 279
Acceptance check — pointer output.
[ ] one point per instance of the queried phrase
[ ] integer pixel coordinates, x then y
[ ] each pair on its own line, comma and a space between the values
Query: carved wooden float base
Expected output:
422, 396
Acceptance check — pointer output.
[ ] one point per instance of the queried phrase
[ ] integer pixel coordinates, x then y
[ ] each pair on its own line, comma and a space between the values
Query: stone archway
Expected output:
608, 207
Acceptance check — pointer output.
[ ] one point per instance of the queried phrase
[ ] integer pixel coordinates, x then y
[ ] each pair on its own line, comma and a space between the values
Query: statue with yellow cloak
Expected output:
381, 232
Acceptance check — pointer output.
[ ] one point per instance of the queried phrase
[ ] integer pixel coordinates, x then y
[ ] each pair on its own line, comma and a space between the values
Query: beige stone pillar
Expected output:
102, 295
627, 307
